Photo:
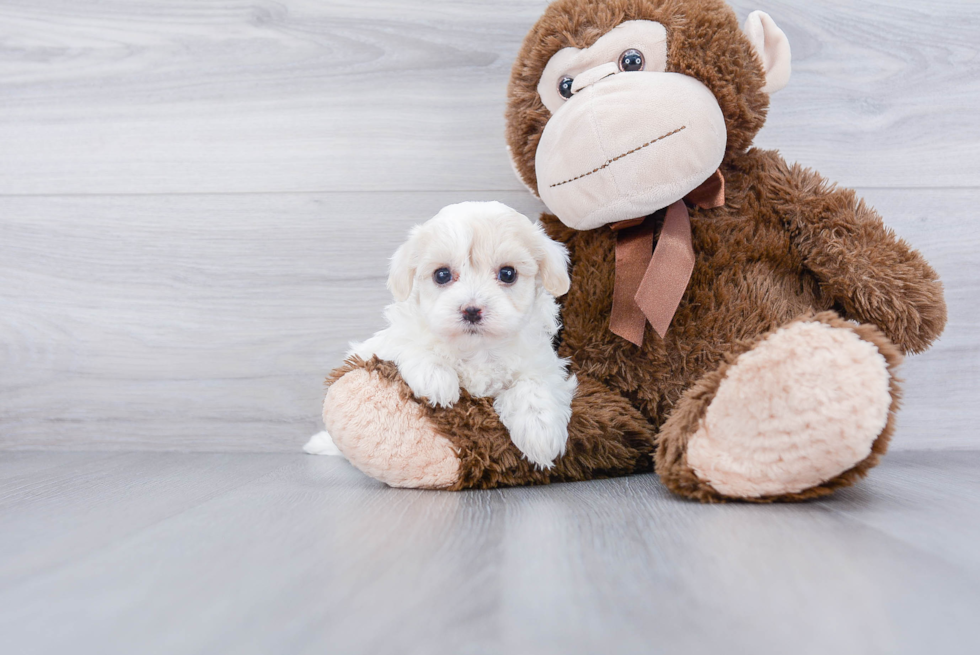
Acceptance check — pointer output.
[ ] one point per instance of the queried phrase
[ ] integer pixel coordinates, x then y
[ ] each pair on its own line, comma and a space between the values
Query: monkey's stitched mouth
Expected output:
618, 157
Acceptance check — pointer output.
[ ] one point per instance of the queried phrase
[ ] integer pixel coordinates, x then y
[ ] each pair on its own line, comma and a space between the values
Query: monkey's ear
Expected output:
772, 46
401, 271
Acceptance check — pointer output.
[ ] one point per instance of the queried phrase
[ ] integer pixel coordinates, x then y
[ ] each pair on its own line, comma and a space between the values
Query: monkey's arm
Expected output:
872, 275
379, 425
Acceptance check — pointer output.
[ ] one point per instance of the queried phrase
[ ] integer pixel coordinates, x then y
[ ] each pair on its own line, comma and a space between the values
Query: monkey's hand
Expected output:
872, 275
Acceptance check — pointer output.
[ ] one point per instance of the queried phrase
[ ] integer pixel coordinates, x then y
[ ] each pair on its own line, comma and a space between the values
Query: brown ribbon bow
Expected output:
651, 282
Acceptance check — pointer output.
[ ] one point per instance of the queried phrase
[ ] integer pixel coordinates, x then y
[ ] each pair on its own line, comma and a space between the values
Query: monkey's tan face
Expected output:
625, 137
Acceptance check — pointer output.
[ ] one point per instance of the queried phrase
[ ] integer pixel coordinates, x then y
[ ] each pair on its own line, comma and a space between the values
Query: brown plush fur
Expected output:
752, 275
490, 459
785, 246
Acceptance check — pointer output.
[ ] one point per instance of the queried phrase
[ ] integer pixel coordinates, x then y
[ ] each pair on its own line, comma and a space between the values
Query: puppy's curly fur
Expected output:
459, 323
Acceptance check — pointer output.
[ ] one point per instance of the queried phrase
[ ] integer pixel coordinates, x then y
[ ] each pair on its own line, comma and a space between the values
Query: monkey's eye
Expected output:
565, 87
631, 60
442, 276
507, 275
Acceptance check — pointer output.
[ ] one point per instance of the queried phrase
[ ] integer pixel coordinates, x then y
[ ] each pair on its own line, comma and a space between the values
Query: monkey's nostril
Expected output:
472, 314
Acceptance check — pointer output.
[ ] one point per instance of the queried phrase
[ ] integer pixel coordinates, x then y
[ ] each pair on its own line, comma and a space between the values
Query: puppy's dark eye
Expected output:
507, 275
565, 87
631, 60
442, 276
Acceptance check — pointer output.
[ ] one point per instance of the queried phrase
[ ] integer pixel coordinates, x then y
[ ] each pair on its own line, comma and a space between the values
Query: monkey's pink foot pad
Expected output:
385, 436
803, 406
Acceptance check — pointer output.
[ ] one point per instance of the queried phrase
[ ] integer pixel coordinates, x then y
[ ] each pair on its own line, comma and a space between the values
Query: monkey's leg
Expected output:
385, 432
807, 409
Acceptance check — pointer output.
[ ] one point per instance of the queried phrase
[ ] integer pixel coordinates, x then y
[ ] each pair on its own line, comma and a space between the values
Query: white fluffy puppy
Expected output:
474, 308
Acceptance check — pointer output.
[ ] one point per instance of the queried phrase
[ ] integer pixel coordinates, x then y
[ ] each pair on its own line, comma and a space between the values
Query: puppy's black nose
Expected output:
472, 314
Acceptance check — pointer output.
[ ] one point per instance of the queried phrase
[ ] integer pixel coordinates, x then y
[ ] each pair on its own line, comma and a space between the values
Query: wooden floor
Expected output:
265, 553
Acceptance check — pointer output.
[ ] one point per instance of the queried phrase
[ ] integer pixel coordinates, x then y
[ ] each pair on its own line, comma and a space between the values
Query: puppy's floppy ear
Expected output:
552, 259
401, 270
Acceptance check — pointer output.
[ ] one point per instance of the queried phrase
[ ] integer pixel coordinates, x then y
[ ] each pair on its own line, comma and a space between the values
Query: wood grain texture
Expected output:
96, 499
138, 312
209, 322
301, 96
189, 322
314, 557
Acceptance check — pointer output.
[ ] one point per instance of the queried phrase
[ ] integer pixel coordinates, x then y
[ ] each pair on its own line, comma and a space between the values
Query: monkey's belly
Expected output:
722, 313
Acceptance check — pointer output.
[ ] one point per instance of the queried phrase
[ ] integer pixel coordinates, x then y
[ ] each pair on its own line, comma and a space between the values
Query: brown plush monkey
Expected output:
734, 321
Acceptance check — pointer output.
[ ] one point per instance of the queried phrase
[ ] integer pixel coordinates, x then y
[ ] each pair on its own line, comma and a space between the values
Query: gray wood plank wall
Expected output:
197, 199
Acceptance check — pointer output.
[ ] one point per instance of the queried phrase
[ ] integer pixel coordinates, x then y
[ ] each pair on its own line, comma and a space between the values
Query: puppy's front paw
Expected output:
439, 385
537, 422
540, 441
